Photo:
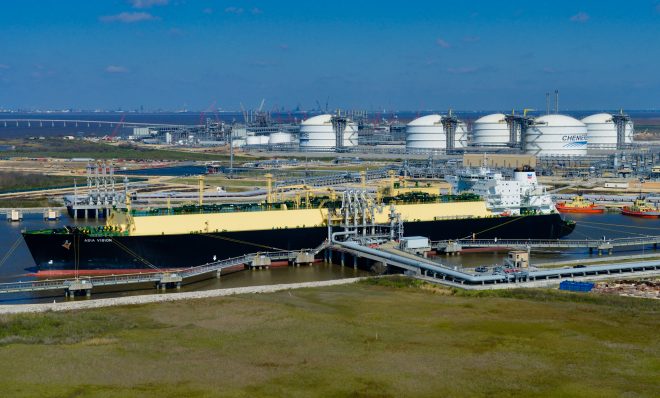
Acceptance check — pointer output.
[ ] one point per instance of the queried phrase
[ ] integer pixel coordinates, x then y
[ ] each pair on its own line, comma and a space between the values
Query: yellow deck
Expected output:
282, 219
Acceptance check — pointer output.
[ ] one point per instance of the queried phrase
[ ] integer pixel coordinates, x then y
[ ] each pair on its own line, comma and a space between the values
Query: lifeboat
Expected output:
641, 209
579, 205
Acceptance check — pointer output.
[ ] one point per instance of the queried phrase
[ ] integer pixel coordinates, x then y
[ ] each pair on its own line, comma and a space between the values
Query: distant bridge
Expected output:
83, 123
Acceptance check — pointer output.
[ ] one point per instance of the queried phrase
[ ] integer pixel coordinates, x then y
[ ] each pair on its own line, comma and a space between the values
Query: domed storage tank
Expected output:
427, 133
280, 138
252, 140
556, 135
490, 130
318, 133
601, 131
263, 140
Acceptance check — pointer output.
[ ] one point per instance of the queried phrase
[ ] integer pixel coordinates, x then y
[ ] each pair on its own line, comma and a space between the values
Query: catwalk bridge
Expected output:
435, 271
82, 123
453, 246
162, 280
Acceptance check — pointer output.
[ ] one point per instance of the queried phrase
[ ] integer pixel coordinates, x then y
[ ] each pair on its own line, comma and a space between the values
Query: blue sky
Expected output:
413, 55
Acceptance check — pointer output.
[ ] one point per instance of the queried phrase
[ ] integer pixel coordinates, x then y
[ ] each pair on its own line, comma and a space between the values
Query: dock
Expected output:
162, 280
418, 266
599, 245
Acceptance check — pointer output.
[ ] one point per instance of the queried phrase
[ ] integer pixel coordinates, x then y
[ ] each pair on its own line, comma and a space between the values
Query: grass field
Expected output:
387, 338
18, 181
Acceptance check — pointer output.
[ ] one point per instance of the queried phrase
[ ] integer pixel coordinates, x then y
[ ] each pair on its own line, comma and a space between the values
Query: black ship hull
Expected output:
56, 253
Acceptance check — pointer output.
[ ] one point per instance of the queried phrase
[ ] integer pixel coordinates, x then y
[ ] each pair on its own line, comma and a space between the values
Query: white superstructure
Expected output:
556, 135
427, 133
522, 194
318, 133
491, 130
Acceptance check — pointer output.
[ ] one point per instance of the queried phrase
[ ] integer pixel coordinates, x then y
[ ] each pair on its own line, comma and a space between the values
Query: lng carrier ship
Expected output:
179, 237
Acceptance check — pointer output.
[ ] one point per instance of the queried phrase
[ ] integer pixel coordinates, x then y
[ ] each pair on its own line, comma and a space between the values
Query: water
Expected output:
589, 226
173, 171
593, 226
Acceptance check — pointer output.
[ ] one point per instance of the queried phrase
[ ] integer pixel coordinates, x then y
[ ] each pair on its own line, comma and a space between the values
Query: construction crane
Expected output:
116, 129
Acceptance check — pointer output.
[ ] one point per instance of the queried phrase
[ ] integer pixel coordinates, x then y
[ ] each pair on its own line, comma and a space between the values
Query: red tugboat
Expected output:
641, 209
579, 205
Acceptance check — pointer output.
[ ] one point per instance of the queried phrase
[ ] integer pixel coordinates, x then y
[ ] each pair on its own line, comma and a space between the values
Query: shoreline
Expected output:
165, 297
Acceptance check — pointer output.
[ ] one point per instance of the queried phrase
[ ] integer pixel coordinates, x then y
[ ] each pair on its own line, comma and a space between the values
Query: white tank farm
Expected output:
317, 133
556, 135
491, 130
263, 139
280, 138
427, 133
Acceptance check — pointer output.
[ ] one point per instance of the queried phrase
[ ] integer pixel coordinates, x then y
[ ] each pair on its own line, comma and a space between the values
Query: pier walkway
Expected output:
423, 267
161, 279
453, 246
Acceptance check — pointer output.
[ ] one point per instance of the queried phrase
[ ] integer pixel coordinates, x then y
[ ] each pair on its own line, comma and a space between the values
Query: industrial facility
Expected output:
549, 135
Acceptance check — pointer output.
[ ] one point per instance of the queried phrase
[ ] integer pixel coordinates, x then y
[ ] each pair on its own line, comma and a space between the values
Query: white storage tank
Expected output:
427, 133
601, 131
318, 133
280, 138
238, 142
556, 135
252, 140
263, 139
491, 130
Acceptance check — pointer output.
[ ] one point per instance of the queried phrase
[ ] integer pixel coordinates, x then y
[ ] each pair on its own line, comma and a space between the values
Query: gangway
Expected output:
161, 279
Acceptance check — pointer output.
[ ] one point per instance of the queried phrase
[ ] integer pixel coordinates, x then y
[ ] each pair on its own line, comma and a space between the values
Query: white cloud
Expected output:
208, 10
256, 11
442, 43
580, 17
116, 69
4, 66
148, 3
463, 70
129, 17
234, 10
471, 39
